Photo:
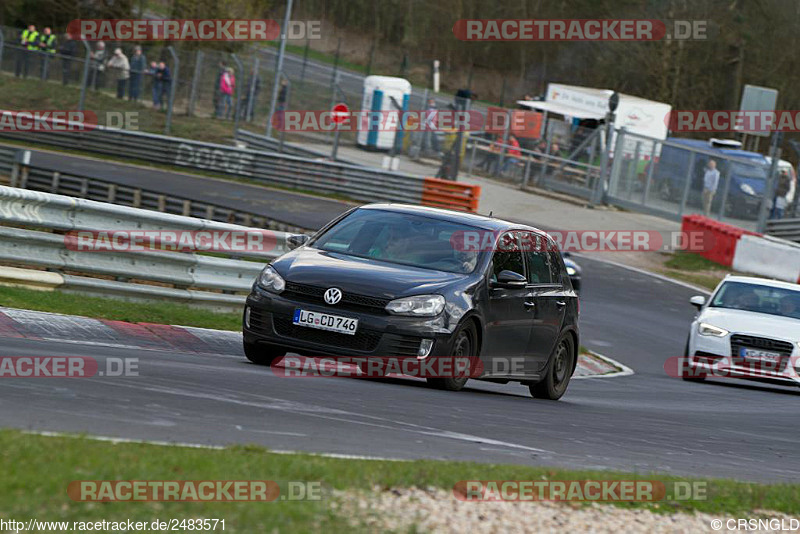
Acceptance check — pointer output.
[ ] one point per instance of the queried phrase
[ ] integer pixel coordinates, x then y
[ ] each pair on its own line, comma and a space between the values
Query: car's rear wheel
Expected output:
558, 371
465, 345
262, 354
688, 371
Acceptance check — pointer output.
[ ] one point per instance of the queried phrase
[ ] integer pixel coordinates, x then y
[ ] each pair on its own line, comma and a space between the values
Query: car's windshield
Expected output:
758, 298
750, 171
403, 238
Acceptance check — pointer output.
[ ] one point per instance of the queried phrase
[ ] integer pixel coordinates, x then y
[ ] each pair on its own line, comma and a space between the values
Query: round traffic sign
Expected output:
340, 112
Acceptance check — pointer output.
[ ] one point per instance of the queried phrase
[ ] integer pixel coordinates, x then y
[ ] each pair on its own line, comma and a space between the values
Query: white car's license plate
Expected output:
325, 321
759, 355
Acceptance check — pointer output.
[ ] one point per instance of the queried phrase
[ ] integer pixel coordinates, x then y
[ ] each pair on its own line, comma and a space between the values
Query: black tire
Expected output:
262, 354
465, 344
558, 372
688, 374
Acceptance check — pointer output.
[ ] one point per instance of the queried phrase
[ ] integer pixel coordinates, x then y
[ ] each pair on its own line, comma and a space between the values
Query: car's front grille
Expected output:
363, 340
783, 348
315, 294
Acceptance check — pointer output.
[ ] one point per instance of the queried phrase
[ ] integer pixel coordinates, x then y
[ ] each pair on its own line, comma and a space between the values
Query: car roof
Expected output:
763, 281
699, 143
472, 219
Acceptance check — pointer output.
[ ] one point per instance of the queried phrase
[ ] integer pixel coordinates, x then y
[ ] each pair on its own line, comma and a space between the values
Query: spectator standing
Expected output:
156, 84
217, 93
47, 49
68, 50
164, 75
780, 201
710, 184
29, 44
98, 65
227, 85
512, 151
138, 66
120, 70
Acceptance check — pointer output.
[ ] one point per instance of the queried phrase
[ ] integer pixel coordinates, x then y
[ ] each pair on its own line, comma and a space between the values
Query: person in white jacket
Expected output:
121, 70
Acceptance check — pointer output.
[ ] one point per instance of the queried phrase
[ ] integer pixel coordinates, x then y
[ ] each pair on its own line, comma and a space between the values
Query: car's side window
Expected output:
538, 262
556, 267
507, 257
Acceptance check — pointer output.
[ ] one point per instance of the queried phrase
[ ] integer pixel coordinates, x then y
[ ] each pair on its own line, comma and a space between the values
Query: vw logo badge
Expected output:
333, 295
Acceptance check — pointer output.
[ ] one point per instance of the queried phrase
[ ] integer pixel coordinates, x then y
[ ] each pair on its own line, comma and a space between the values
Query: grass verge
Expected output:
34, 488
695, 269
117, 310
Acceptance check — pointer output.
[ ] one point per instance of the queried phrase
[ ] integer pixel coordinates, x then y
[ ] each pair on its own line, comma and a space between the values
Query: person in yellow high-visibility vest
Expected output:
47, 48
28, 44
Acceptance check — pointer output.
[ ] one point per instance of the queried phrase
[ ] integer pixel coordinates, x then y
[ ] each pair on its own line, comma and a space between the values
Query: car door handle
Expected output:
530, 305
560, 304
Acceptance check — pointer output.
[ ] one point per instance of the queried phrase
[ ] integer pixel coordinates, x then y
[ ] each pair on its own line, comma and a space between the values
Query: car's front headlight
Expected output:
747, 190
705, 329
571, 271
270, 280
417, 306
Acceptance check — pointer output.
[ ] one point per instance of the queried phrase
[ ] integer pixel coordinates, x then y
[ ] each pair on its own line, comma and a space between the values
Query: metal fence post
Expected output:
237, 96
85, 81
688, 186
615, 170
279, 67
286, 104
650, 167
335, 73
769, 188
502, 157
251, 91
597, 194
173, 84
305, 61
725, 191
198, 67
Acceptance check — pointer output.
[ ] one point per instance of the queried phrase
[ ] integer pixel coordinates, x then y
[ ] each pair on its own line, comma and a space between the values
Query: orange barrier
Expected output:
453, 195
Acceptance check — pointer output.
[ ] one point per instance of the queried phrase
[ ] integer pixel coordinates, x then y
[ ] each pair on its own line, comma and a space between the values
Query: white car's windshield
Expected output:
758, 298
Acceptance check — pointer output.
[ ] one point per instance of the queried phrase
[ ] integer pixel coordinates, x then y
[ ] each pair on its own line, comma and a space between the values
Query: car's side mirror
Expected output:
698, 301
297, 240
510, 279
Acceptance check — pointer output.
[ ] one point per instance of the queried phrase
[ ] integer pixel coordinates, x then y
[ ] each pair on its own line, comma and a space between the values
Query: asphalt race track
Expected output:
305, 211
645, 422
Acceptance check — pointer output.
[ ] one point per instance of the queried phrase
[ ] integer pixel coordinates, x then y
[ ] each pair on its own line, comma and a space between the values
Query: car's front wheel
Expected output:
558, 371
262, 354
465, 345
689, 372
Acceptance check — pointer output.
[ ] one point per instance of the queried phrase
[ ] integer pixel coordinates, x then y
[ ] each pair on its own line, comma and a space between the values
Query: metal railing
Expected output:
28, 176
194, 276
788, 229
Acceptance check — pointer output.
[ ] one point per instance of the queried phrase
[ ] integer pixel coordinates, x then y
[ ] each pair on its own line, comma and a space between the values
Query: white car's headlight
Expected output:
270, 280
418, 306
747, 190
705, 329
571, 271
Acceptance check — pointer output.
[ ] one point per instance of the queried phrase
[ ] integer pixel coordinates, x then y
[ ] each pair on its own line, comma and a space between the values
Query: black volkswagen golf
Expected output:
409, 281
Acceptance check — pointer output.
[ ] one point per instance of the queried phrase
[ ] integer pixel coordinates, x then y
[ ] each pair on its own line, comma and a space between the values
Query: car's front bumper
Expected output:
268, 320
713, 355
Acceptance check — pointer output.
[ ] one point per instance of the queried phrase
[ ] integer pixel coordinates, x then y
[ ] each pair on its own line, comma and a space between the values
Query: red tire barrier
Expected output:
453, 195
725, 237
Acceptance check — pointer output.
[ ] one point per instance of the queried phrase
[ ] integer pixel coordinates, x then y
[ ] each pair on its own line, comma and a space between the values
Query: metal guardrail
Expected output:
45, 179
269, 144
184, 271
788, 229
360, 183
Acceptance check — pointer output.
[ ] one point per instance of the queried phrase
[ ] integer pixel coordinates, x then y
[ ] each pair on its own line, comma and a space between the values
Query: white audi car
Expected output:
749, 328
